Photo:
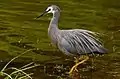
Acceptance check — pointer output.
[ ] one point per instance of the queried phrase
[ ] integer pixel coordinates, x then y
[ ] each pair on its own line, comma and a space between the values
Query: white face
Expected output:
50, 10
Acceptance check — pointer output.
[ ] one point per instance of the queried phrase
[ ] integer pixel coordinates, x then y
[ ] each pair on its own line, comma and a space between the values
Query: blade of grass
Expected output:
27, 65
24, 69
23, 77
7, 76
18, 70
14, 59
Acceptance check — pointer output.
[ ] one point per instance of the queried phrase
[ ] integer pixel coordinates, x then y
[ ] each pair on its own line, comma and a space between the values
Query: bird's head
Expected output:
50, 9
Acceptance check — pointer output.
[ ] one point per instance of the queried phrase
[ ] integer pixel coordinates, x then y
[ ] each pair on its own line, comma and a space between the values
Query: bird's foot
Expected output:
74, 68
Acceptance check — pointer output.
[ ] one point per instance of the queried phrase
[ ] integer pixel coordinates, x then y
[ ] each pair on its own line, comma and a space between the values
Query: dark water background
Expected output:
20, 31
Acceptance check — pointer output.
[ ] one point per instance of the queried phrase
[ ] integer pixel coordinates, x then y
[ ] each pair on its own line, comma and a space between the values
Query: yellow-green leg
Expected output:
83, 58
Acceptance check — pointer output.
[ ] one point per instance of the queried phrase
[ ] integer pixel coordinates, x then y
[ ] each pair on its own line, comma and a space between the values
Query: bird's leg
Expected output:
76, 59
83, 59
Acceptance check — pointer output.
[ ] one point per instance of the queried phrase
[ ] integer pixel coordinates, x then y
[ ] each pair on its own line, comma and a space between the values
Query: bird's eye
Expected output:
49, 9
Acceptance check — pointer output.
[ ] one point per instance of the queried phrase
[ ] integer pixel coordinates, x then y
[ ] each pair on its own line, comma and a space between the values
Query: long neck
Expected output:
54, 20
53, 30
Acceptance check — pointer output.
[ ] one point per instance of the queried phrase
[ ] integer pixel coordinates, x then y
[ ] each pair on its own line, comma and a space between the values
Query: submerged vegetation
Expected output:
17, 73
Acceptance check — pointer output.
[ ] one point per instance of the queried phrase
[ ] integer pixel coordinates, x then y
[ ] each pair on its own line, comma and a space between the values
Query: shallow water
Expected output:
20, 31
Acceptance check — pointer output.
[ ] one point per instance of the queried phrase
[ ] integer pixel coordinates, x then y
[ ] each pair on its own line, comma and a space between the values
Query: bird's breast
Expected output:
53, 36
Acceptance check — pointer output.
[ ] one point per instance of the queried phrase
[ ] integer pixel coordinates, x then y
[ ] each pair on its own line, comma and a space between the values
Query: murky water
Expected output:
20, 31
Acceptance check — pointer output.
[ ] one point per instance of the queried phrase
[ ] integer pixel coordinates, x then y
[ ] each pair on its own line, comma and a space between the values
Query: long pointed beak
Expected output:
42, 14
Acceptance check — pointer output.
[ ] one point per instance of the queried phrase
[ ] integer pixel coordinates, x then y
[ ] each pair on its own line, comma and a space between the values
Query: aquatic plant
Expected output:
18, 73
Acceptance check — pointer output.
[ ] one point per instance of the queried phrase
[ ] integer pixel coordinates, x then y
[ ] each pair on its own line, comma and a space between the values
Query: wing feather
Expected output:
79, 41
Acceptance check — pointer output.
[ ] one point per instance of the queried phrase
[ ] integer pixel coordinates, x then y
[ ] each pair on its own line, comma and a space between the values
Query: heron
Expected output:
72, 42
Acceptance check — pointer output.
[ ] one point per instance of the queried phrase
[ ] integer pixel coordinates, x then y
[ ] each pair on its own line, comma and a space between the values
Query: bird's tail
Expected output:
101, 50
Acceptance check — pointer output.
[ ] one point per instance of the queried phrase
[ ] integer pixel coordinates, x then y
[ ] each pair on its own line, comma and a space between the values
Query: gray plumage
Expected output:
72, 42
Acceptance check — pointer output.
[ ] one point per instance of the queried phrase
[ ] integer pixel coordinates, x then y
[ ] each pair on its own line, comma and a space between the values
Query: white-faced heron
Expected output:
75, 42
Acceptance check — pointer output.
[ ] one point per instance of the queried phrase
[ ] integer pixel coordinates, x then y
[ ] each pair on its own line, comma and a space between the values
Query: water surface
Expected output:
20, 31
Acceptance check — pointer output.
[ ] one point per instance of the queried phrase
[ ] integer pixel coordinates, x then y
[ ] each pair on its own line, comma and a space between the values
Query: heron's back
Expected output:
77, 41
